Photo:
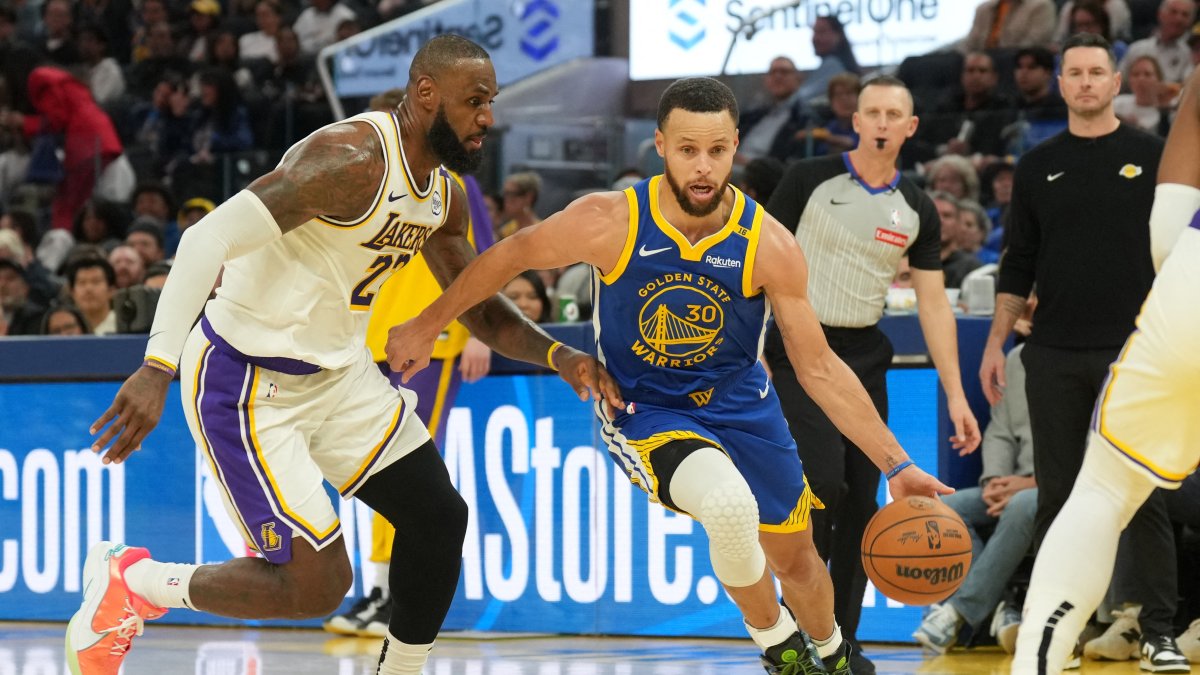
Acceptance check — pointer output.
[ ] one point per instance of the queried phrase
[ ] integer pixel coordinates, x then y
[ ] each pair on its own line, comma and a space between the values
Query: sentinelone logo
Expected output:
686, 27
539, 39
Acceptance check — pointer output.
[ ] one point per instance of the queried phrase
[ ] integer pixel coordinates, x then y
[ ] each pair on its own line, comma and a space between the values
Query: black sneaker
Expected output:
859, 663
838, 663
376, 625
351, 621
1160, 654
794, 656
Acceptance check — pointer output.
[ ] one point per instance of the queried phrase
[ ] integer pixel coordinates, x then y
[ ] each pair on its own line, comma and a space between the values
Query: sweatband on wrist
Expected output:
550, 355
898, 468
159, 364
235, 228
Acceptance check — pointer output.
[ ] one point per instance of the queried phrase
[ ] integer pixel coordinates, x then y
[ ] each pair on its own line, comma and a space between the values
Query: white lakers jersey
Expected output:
308, 295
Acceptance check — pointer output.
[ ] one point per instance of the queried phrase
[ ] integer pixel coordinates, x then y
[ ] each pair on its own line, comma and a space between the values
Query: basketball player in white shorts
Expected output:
1145, 429
280, 391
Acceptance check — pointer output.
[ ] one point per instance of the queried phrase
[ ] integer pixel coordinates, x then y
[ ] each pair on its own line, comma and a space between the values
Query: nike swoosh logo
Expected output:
643, 251
837, 203
392, 196
762, 393
1054, 176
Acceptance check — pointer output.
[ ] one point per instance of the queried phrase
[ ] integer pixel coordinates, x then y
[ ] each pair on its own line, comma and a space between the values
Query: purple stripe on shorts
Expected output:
226, 384
254, 452
1195, 221
278, 364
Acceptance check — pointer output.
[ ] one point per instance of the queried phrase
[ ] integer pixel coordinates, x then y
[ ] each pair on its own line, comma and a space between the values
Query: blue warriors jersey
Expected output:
677, 323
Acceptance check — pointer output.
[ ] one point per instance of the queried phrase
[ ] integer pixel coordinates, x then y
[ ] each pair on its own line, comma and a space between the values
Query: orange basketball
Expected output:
916, 551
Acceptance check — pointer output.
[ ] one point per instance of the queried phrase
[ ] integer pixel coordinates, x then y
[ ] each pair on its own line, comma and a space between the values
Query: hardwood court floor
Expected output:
37, 649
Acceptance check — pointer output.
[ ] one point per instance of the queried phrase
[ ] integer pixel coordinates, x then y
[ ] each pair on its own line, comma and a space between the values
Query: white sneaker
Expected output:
1161, 655
1189, 642
1006, 623
1120, 641
939, 629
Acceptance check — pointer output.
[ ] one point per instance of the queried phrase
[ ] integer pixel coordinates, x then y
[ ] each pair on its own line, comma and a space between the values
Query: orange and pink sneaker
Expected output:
103, 629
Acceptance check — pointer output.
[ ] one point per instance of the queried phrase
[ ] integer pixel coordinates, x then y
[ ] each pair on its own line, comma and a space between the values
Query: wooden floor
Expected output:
37, 649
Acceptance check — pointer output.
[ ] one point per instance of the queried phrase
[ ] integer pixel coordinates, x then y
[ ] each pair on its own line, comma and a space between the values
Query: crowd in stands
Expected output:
121, 123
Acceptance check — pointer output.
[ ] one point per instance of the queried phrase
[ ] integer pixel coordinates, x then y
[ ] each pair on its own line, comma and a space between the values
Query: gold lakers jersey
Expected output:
308, 295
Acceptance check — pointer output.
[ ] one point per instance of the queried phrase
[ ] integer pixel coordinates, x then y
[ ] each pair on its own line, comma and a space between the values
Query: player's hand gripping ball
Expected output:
916, 550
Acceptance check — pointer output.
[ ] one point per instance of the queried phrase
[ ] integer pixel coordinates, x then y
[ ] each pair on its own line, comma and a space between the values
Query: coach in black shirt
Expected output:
1079, 230
855, 216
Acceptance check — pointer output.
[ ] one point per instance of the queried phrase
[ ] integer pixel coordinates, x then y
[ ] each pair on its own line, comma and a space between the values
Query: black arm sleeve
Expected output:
1023, 236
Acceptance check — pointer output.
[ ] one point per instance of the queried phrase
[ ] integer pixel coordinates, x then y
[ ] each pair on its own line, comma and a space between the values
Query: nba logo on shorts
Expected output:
437, 204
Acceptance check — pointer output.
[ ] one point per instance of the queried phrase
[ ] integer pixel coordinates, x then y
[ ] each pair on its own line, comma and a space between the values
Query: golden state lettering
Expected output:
681, 320
396, 233
712, 286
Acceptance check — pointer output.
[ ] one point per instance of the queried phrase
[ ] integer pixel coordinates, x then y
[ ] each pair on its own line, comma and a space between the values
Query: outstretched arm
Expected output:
336, 172
583, 232
488, 315
782, 272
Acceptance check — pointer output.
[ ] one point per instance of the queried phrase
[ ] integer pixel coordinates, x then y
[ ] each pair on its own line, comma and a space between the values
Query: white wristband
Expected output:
235, 228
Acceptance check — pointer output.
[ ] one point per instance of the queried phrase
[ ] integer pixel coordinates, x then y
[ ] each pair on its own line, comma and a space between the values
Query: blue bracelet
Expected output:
898, 468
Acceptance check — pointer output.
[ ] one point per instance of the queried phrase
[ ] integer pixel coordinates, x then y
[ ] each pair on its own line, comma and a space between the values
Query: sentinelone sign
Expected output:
681, 38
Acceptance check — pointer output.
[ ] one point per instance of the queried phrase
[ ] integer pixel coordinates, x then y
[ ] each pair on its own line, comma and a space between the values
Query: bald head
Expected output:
441, 53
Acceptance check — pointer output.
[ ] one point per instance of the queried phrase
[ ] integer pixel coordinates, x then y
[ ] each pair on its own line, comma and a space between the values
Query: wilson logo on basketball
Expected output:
890, 237
934, 575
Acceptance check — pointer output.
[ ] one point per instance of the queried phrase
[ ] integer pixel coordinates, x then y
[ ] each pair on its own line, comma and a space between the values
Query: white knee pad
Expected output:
709, 487
729, 514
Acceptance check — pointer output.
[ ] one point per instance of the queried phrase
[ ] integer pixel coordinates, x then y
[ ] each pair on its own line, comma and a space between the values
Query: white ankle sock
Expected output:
830, 644
381, 576
402, 659
766, 638
161, 584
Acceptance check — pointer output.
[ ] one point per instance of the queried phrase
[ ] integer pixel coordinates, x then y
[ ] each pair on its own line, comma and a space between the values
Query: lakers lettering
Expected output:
680, 321
396, 233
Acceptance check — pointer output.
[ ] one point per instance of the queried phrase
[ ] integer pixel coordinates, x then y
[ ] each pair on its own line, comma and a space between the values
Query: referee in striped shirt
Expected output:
855, 216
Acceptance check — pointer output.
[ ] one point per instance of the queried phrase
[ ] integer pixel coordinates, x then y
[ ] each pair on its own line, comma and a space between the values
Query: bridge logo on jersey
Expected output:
687, 25
681, 320
396, 233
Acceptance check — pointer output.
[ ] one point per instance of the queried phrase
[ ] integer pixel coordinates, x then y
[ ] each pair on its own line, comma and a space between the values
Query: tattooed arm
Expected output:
335, 172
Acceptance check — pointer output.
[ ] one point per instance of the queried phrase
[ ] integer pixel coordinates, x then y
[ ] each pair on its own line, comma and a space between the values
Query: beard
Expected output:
449, 147
684, 198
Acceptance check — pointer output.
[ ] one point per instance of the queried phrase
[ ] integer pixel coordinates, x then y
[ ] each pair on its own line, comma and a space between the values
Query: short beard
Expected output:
686, 204
449, 148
